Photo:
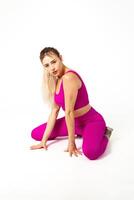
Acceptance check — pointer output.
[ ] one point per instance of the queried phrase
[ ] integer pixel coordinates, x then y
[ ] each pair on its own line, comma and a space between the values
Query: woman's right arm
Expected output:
50, 125
51, 122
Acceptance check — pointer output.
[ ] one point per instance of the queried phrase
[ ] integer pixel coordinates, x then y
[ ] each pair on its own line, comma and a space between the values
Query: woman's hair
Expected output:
48, 81
48, 51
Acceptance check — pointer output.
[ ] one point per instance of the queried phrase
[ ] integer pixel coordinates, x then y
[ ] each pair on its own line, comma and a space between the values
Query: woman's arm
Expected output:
70, 85
51, 122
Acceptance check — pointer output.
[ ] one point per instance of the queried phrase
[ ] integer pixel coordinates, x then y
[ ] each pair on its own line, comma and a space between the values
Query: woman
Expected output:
65, 88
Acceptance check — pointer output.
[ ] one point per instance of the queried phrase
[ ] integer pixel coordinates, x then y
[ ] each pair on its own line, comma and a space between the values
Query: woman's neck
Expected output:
64, 70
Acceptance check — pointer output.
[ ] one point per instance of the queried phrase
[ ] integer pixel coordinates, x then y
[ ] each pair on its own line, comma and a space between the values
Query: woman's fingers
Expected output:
76, 152
34, 147
73, 152
79, 152
38, 146
45, 147
70, 153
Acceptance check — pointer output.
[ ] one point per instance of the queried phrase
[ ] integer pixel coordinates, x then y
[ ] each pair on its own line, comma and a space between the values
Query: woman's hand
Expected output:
39, 146
72, 149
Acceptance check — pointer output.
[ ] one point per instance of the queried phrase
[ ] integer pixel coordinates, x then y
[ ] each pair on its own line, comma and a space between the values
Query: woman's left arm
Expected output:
70, 86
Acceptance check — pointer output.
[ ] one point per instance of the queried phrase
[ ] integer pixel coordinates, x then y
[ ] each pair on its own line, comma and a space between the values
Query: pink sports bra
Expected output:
82, 97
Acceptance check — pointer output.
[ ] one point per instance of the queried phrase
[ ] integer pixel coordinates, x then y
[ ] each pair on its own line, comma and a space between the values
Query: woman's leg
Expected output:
59, 129
94, 139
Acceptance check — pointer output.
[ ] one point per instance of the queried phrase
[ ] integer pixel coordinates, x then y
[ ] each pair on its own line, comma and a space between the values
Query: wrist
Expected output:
71, 141
44, 140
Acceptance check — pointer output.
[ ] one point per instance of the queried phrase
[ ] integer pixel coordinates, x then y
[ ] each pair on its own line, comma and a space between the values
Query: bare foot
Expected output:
108, 132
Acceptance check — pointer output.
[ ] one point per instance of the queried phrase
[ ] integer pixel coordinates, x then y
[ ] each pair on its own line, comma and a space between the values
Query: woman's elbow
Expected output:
55, 113
69, 112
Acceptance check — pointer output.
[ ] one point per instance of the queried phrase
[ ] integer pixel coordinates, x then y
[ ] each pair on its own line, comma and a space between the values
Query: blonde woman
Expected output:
63, 87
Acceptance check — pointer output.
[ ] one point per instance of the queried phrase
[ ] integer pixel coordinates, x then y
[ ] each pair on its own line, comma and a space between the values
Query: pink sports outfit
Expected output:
90, 126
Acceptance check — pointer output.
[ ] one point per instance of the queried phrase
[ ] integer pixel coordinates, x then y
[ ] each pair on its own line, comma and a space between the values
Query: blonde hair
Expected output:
48, 87
48, 81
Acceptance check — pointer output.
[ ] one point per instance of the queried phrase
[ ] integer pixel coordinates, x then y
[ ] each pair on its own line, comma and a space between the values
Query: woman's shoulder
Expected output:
72, 76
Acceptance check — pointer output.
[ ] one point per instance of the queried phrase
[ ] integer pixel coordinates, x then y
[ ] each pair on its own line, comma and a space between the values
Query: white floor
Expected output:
52, 174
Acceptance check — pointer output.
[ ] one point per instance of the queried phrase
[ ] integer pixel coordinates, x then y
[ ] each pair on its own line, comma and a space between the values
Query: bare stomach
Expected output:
81, 111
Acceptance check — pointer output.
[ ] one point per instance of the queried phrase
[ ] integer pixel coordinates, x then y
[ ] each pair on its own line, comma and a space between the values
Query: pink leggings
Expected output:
90, 126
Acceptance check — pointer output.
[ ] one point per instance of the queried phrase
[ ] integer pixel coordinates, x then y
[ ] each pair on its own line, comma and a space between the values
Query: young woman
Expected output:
63, 87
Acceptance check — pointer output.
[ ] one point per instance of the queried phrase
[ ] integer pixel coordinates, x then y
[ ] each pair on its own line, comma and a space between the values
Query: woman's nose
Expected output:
52, 68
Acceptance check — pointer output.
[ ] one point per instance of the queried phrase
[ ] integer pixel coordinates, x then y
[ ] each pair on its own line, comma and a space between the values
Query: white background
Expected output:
95, 38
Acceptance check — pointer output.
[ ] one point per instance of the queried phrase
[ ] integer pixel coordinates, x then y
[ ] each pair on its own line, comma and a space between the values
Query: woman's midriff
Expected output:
82, 111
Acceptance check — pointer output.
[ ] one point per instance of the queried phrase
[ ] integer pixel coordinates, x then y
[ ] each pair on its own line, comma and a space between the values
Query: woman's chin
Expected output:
57, 74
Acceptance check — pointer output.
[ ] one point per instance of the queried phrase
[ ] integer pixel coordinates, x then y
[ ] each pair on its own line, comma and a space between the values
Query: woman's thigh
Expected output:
60, 129
93, 133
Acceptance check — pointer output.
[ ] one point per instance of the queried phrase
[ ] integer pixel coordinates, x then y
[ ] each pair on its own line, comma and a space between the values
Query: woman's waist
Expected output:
81, 111
90, 115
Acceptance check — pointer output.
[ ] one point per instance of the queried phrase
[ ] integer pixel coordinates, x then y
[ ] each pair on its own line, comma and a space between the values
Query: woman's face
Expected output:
53, 64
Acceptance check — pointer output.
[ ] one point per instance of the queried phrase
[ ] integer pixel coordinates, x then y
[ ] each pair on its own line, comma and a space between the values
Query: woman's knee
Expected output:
34, 134
37, 133
91, 153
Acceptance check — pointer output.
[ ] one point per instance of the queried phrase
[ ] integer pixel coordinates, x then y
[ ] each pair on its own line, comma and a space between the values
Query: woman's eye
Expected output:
46, 65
